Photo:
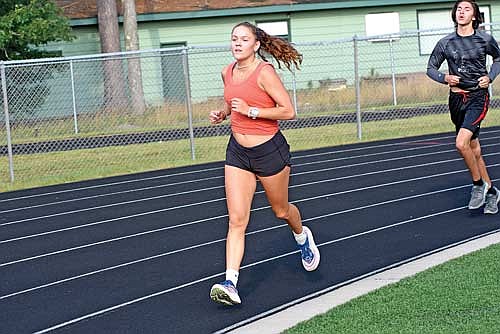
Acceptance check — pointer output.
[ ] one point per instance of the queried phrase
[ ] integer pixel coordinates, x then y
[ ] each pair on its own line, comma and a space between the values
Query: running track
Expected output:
138, 253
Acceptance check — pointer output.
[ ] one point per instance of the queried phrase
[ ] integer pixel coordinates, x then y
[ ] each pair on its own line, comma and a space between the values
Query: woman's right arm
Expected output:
217, 116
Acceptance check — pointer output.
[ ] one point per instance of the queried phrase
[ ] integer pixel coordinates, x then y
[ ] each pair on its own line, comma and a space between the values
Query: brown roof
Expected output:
78, 9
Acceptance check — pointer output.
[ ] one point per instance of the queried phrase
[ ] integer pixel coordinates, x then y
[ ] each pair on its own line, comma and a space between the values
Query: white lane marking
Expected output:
159, 293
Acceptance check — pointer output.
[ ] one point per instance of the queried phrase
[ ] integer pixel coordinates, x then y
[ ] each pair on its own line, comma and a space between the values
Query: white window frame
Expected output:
279, 28
381, 27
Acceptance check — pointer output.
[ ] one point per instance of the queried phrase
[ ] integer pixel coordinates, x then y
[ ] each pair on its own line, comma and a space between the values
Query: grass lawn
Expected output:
460, 296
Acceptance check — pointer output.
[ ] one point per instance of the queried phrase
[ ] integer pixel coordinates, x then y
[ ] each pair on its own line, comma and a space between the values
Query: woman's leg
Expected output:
240, 189
276, 187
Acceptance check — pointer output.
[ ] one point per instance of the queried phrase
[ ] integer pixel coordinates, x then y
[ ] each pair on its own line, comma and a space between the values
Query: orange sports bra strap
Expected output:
260, 67
229, 72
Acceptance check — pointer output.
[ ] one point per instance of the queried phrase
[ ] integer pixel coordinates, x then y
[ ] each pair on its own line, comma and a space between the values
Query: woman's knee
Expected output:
238, 221
283, 212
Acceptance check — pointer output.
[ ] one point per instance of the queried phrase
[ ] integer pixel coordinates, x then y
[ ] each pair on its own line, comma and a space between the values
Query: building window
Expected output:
276, 28
380, 26
438, 23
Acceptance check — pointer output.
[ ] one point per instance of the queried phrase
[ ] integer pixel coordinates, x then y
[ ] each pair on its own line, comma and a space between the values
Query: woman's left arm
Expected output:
270, 82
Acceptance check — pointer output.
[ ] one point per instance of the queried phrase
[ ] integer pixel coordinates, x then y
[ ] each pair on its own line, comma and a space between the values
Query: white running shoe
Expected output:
492, 200
309, 252
478, 196
225, 293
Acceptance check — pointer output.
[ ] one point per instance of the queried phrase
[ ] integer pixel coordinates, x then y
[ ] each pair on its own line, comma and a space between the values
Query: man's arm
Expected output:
435, 60
494, 52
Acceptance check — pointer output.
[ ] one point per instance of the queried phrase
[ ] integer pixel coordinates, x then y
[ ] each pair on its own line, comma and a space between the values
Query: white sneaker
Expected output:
492, 200
478, 196
309, 252
225, 293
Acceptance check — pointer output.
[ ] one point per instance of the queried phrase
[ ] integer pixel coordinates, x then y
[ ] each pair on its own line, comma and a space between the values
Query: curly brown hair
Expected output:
279, 48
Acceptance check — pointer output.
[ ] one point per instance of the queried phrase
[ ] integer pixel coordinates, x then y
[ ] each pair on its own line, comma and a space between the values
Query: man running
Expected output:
465, 51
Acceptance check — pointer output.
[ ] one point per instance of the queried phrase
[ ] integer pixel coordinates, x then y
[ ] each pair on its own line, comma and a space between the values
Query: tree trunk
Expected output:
114, 88
133, 61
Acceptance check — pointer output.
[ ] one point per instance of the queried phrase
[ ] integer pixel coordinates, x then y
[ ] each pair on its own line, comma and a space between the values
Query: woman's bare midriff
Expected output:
251, 140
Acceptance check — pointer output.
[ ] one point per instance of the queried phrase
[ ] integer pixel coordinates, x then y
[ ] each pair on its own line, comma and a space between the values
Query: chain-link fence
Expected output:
77, 118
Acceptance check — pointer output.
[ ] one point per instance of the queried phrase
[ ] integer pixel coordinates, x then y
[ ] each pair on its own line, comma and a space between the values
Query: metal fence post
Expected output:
75, 117
357, 85
393, 73
189, 107
7, 121
294, 87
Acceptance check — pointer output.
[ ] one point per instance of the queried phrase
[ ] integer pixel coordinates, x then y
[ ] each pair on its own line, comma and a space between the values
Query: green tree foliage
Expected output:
26, 25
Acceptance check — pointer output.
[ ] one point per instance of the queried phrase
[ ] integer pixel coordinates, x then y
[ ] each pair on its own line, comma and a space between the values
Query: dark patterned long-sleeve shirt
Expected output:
466, 58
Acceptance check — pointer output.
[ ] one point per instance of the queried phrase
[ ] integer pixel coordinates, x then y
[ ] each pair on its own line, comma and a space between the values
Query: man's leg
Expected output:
492, 196
465, 144
476, 150
464, 147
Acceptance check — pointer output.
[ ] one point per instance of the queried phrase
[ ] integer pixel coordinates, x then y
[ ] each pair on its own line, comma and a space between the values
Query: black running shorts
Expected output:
468, 109
266, 159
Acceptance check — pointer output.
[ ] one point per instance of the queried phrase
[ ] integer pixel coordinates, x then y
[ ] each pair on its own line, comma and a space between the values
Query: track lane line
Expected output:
256, 263
217, 217
246, 234
296, 156
220, 187
221, 176
352, 280
258, 192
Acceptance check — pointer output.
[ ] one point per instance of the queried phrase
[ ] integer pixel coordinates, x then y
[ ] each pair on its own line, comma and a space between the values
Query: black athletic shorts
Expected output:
468, 109
266, 159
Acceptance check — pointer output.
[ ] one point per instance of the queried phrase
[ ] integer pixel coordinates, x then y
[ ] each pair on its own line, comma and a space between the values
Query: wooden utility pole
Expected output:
133, 61
114, 88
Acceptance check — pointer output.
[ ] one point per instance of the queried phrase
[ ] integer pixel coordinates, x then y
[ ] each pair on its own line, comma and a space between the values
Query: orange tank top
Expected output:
249, 91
